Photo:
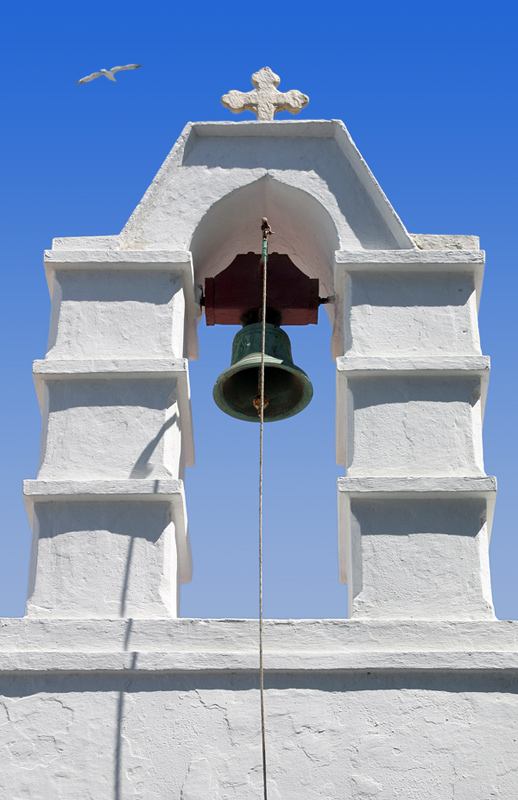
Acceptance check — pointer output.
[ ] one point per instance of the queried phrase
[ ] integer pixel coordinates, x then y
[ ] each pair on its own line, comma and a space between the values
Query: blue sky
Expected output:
429, 93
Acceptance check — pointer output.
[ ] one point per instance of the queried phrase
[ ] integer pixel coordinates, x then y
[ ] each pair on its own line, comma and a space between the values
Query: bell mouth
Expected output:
287, 390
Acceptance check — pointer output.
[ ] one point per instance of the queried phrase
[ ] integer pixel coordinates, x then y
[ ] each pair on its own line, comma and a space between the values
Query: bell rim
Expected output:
269, 361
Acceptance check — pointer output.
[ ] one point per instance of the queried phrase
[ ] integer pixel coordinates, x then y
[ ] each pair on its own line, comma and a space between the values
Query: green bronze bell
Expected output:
288, 389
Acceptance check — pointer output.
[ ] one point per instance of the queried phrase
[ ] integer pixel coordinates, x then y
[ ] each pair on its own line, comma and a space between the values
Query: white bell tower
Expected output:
105, 692
416, 505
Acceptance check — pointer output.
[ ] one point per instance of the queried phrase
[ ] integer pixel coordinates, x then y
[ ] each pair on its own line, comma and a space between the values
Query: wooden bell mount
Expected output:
236, 291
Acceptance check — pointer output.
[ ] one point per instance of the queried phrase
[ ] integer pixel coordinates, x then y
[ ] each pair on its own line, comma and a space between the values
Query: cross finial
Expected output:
265, 100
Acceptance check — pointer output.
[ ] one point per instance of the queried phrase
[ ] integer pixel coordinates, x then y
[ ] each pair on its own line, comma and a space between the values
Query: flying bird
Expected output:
108, 73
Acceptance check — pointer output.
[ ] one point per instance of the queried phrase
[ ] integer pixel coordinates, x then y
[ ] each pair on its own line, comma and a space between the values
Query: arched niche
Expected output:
303, 230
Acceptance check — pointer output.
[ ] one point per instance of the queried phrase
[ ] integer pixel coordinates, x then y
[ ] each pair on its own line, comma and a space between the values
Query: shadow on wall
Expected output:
143, 466
408, 289
319, 681
117, 790
96, 392
384, 518
374, 391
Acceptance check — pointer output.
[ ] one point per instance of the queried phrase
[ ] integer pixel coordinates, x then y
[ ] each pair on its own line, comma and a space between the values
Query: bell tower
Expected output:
411, 378
118, 697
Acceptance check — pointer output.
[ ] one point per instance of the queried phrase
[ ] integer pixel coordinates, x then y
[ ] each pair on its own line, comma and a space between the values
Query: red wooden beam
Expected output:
236, 290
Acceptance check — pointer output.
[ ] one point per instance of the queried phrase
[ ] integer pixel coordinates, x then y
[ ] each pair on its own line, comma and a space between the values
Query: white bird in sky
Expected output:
108, 73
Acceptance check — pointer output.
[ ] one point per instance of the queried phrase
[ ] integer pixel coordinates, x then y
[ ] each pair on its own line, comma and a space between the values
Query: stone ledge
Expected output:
315, 128
85, 242
232, 661
405, 259
116, 367
359, 365
127, 490
429, 486
302, 646
443, 241
133, 488
184, 635
89, 258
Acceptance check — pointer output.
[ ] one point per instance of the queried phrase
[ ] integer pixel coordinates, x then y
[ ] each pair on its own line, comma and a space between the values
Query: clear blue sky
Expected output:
429, 93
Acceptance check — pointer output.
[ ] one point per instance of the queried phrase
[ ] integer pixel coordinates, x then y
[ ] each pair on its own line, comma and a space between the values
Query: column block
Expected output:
117, 313
407, 302
108, 302
107, 549
411, 416
416, 549
114, 418
411, 312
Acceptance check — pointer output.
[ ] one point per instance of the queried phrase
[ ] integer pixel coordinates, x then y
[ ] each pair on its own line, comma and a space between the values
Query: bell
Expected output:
287, 388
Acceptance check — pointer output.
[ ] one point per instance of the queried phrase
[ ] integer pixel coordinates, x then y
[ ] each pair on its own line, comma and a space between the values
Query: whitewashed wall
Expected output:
356, 710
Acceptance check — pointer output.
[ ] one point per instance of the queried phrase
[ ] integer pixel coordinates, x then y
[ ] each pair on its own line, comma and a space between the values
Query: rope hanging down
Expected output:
260, 405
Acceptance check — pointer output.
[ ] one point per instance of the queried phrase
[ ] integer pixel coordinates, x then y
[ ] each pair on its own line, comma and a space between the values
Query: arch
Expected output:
303, 229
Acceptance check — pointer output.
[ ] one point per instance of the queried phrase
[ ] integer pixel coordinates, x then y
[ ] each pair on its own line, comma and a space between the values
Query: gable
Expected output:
211, 160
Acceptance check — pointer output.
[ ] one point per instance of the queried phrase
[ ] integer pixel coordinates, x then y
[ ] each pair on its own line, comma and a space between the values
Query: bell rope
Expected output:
266, 232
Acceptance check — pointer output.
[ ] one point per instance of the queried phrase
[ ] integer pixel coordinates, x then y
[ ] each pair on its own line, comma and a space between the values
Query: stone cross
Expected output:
265, 100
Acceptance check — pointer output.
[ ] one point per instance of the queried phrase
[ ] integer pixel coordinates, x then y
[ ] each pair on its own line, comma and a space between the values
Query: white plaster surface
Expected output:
381, 722
414, 312
112, 428
116, 314
291, 645
48, 373
165, 315
330, 737
104, 559
416, 548
419, 559
430, 241
441, 259
418, 425
407, 302
107, 548
305, 229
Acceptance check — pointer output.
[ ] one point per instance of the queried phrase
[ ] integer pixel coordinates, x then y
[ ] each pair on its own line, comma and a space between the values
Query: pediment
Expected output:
212, 160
